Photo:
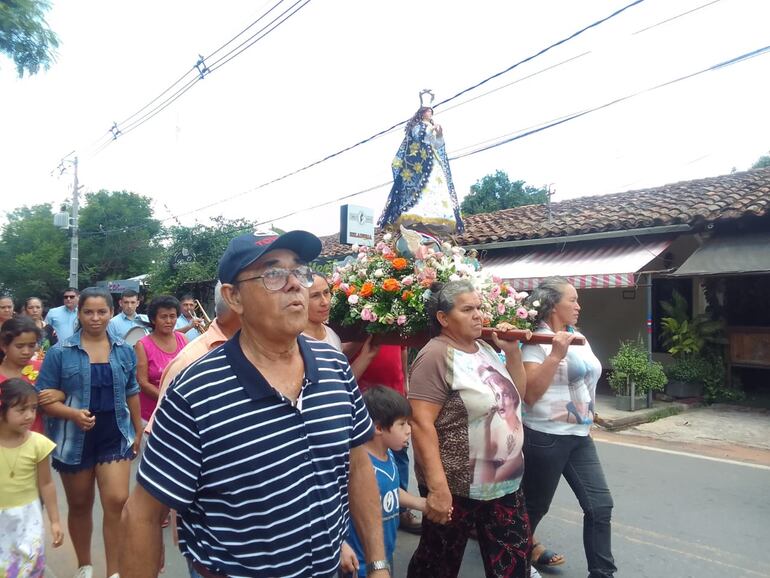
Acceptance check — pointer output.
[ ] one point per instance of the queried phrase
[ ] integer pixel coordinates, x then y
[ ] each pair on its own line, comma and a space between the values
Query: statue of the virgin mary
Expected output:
423, 196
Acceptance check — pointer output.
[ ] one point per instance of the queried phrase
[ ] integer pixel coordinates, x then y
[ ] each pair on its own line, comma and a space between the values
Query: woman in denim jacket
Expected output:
97, 429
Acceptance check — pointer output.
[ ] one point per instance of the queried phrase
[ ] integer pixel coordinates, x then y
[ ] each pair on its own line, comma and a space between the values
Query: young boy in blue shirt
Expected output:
390, 413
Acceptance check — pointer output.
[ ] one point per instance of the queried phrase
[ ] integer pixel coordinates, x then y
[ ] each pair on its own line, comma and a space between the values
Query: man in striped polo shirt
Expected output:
258, 445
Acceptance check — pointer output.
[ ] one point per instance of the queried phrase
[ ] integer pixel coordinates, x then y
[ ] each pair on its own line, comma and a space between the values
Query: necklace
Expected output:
11, 468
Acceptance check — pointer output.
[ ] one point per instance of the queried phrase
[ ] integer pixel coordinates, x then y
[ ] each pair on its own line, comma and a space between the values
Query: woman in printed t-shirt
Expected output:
467, 445
558, 413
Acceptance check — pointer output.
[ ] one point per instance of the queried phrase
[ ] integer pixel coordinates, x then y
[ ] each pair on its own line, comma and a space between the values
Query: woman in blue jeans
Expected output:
97, 428
558, 413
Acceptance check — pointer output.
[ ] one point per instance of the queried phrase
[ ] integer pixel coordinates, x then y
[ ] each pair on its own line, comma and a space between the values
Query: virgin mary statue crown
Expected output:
426, 98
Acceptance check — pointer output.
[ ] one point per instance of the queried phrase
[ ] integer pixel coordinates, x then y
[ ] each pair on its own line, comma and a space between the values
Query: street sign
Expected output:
356, 225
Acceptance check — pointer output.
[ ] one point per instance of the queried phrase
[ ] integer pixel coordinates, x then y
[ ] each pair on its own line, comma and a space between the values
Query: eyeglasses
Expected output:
276, 279
70, 296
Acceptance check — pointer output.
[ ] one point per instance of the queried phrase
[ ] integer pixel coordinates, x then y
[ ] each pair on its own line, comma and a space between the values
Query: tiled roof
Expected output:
694, 203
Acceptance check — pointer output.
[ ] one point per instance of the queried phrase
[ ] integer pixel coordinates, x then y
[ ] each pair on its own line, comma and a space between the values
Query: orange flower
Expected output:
391, 285
399, 263
390, 256
351, 290
366, 289
406, 295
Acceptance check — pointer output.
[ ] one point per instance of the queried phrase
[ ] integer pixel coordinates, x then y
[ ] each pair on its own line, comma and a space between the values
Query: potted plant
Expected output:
686, 376
688, 340
633, 375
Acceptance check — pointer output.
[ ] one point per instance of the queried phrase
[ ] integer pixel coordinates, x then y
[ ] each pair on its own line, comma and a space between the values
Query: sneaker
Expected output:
409, 522
84, 572
533, 573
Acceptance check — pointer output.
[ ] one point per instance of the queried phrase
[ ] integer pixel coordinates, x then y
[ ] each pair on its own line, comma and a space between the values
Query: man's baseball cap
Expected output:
243, 250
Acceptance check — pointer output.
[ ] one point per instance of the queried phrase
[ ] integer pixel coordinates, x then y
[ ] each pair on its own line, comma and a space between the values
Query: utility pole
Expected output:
74, 238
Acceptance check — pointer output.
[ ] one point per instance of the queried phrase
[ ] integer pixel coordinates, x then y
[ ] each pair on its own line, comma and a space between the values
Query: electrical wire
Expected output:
562, 120
200, 74
249, 42
530, 130
242, 32
543, 51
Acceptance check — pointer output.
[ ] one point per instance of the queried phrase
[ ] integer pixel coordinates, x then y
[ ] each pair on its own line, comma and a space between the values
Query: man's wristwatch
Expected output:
377, 565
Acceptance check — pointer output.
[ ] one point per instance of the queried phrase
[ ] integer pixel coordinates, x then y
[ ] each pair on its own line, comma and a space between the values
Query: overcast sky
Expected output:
341, 70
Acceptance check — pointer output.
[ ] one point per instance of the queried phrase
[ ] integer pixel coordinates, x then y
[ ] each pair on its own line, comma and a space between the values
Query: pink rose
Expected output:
501, 308
407, 281
401, 320
366, 314
522, 313
344, 287
353, 299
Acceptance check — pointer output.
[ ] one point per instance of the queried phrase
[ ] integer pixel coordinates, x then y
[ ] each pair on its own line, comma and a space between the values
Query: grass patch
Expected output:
665, 412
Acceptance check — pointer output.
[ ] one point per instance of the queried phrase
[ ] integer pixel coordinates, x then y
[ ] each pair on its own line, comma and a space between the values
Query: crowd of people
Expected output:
275, 449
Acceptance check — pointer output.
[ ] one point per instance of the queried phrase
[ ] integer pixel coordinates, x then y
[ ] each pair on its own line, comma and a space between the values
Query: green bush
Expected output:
631, 364
693, 369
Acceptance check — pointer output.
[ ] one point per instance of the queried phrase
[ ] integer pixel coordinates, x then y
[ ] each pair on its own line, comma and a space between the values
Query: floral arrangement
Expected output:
381, 291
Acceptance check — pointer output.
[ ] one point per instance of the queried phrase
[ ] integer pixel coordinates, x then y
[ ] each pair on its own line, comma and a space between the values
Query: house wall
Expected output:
607, 318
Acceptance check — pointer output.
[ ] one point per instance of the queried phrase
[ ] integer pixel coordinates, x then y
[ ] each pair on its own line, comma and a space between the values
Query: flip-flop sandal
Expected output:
546, 557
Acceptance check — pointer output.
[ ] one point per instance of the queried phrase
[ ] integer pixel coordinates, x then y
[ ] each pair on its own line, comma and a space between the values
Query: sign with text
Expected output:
356, 225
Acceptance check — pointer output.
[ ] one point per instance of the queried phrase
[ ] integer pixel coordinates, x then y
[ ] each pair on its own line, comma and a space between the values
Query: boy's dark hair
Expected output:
12, 392
385, 405
129, 293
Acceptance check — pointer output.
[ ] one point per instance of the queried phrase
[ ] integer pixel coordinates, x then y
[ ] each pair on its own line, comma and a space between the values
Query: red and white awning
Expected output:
594, 265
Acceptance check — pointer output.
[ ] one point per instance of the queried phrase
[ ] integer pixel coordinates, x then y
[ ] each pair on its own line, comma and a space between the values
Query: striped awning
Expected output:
590, 265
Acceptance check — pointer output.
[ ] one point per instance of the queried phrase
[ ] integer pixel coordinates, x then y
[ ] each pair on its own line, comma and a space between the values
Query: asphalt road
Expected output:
675, 515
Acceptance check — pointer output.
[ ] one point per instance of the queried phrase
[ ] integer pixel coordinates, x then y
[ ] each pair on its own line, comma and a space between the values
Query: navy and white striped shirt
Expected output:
261, 485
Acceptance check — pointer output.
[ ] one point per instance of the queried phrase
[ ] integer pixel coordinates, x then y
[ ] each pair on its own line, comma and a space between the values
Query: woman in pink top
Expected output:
156, 350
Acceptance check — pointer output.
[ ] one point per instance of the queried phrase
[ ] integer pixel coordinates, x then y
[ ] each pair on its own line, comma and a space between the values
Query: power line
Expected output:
242, 32
543, 51
200, 70
530, 130
398, 124
562, 120
249, 42
547, 125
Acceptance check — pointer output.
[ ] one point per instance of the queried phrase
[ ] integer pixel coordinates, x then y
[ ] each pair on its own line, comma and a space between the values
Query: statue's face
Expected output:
427, 114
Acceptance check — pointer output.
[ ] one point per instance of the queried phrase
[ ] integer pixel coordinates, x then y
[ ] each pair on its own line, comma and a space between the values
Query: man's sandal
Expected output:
542, 556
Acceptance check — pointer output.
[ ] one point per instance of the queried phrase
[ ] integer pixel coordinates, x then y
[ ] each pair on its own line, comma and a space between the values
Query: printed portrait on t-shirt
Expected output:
576, 406
495, 431
501, 432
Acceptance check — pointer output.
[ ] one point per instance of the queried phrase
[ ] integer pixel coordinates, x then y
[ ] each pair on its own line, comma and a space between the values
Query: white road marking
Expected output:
686, 454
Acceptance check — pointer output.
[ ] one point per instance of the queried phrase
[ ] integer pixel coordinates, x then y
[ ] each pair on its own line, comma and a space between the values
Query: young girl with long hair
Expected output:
25, 477
19, 339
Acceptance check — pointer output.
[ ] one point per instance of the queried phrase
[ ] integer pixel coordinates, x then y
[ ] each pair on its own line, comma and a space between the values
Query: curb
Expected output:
648, 415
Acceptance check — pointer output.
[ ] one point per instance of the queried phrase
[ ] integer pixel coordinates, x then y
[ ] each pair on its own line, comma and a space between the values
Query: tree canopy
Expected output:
117, 240
25, 36
762, 162
496, 191
193, 254
34, 254
117, 232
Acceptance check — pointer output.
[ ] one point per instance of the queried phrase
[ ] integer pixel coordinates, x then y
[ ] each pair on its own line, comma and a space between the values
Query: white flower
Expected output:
379, 273
353, 299
387, 237
355, 248
454, 277
536, 304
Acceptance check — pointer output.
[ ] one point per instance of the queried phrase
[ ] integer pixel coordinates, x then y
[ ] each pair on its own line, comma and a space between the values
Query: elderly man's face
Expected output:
271, 312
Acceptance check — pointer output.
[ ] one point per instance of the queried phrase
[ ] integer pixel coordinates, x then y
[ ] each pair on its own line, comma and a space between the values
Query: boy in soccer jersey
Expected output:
390, 413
